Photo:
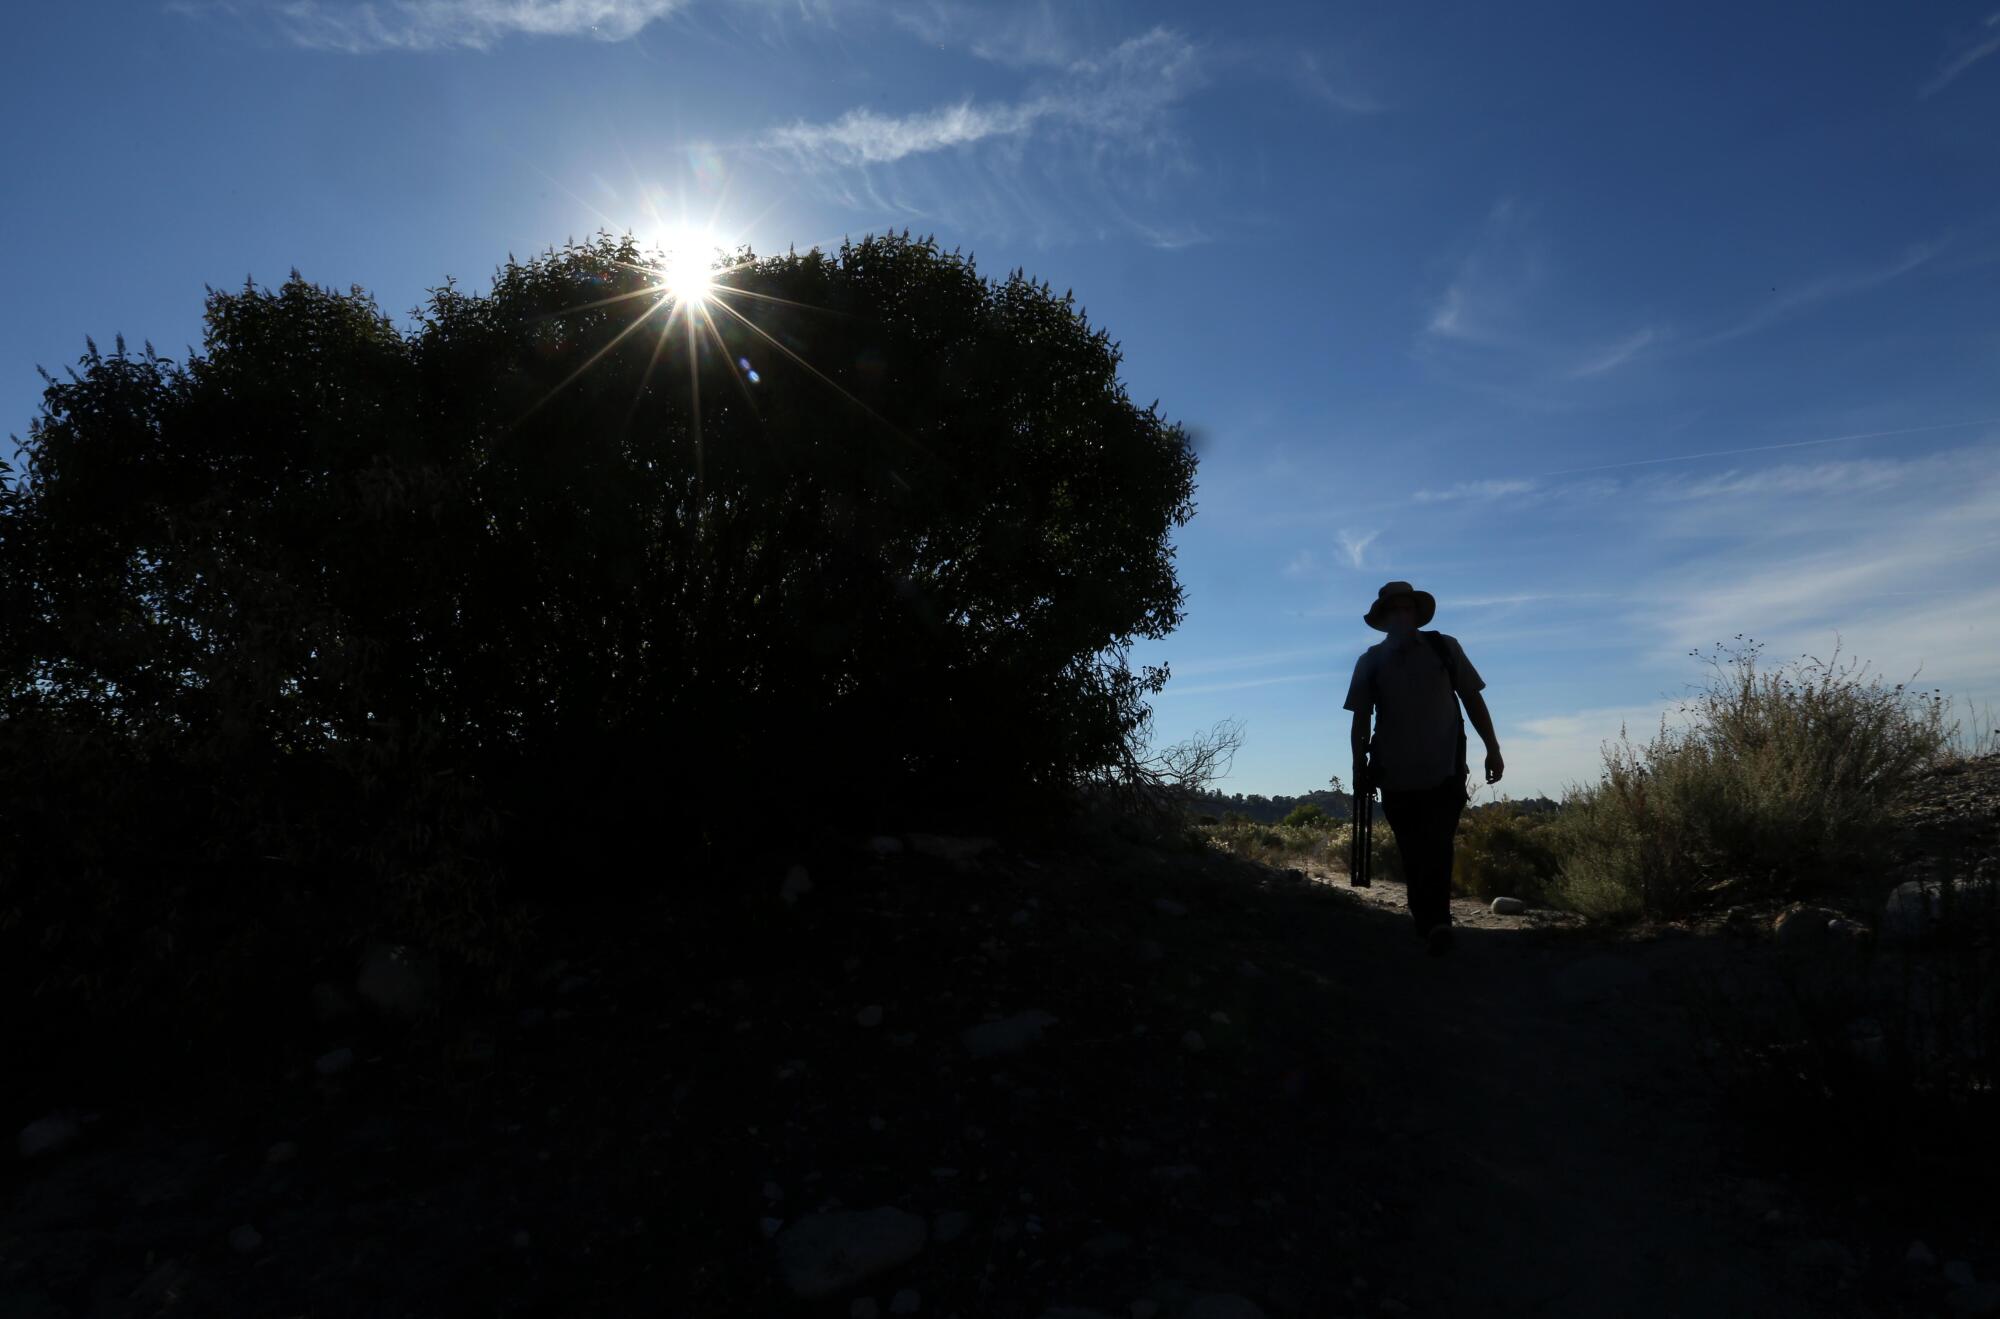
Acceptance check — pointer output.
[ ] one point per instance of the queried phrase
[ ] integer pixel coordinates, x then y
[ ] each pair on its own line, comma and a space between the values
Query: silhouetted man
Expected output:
1417, 754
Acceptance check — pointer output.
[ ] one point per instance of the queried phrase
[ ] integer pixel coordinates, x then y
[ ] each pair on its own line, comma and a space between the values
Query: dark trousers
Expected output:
1425, 821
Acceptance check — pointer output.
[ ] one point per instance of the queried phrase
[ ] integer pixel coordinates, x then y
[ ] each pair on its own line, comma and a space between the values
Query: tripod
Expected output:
1360, 843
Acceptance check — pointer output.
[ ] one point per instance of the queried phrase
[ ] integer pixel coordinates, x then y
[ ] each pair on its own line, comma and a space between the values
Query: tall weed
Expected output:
1777, 782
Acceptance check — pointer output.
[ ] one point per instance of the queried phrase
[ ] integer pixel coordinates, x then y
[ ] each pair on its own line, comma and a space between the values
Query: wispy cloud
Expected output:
1616, 355
1328, 80
1983, 43
1196, 689
1474, 490
1354, 544
1819, 479
1038, 35
863, 137
1123, 95
1496, 294
1900, 563
1303, 564
417, 25
1769, 448
1826, 288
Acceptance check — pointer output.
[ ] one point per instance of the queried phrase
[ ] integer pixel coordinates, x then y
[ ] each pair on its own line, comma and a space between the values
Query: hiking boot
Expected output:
1439, 940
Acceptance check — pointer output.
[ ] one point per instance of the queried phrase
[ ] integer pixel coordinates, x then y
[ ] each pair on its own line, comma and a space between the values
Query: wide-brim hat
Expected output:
1427, 604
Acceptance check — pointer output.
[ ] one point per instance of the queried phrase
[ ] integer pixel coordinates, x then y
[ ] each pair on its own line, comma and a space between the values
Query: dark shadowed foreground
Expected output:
1254, 1089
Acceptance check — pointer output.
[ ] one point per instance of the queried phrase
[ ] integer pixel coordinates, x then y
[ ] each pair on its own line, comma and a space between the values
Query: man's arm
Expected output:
1482, 721
1359, 738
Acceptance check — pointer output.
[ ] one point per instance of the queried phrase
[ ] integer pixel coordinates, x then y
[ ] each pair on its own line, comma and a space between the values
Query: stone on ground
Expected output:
1508, 906
1223, 1305
1802, 928
797, 884
1916, 907
822, 1255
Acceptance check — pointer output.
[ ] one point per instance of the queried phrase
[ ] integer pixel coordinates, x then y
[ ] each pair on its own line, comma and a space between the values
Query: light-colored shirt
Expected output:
1416, 710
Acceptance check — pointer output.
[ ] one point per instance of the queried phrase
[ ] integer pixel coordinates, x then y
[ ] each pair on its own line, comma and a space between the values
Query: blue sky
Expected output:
1623, 329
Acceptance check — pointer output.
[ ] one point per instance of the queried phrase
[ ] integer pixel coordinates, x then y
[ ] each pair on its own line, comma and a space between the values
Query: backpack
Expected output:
1436, 642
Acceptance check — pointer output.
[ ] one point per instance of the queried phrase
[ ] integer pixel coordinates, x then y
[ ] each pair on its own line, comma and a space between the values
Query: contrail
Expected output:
1764, 448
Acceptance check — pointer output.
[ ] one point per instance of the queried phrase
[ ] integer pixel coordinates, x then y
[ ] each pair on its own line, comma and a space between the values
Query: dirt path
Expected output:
1251, 1088
1562, 1157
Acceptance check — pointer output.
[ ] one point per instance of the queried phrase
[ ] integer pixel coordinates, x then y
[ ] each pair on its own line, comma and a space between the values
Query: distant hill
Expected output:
1340, 805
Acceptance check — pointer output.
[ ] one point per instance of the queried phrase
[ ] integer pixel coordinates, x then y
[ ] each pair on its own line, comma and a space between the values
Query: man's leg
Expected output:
1412, 816
1447, 803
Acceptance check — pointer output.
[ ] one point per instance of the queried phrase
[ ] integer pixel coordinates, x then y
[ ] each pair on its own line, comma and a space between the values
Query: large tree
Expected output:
858, 529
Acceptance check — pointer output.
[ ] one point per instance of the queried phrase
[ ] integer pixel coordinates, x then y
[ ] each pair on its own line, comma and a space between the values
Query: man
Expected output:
1406, 681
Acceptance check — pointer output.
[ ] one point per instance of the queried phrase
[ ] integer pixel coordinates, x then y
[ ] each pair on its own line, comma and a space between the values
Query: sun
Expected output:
687, 268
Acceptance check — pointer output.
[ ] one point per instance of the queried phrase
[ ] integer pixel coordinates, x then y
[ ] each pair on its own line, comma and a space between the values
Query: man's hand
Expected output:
1495, 767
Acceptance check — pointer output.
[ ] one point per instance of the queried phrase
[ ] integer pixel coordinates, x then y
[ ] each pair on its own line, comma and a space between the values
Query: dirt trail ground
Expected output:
1563, 1161
1253, 1087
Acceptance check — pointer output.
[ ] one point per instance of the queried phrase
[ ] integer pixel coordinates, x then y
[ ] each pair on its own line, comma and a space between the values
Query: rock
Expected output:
885, 845
1150, 950
1223, 1305
1801, 928
1169, 907
944, 847
797, 884
1008, 1035
1597, 977
1193, 1042
1846, 931
1976, 1298
1145, 1308
864, 1307
1176, 1172
282, 1152
48, 1136
245, 1239
334, 1061
822, 1255
1916, 906
1074, 1312
949, 1226
869, 1016
905, 1301
1507, 906
1959, 1274
397, 980
1920, 1255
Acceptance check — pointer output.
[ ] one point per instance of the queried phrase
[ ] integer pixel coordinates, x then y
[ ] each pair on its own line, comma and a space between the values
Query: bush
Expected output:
1778, 783
544, 585
1504, 851
1306, 815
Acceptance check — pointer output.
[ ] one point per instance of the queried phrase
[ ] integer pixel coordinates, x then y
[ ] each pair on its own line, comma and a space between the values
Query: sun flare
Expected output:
687, 266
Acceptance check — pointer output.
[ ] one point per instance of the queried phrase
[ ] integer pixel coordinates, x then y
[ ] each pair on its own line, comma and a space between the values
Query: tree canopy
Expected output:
573, 557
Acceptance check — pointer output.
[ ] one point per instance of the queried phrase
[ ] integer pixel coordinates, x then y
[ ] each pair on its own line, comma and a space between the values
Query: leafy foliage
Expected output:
543, 585
1504, 849
1779, 782
1306, 815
